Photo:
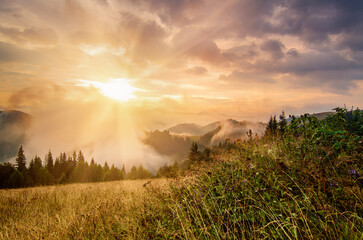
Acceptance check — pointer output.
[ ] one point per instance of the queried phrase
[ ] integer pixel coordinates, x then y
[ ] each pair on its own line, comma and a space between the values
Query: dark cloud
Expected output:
274, 48
292, 52
313, 62
352, 41
314, 21
329, 71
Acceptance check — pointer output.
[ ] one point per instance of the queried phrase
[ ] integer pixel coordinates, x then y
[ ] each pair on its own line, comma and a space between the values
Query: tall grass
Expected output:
250, 192
305, 184
108, 210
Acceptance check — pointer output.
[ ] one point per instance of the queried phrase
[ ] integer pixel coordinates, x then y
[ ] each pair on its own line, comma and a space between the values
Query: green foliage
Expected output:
20, 160
49, 164
138, 173
306, 184
166, 144
73, 169
169, 171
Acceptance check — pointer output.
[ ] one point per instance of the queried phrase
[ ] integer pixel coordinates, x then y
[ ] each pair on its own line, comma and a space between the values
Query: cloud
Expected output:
143, 37
209, 52
292, 52
227, 49
247, 77
36, 36
315, 21
197, 70
274, 48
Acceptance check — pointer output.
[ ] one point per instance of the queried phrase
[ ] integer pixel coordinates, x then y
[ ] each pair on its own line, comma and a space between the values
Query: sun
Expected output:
118, 89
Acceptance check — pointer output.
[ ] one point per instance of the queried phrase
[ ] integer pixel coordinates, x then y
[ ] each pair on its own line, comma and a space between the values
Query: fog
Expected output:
238, 130
67, 119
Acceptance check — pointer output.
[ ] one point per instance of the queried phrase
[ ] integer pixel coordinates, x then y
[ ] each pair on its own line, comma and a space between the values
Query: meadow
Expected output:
108, 210
301, 181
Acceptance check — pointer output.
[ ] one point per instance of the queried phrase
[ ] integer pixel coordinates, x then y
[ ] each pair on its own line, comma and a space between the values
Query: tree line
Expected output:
64, 169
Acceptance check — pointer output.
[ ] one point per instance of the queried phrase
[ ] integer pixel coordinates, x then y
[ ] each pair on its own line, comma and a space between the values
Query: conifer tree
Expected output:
34, 169
282, 123
274, 126
74, 158
49, 162
80, 158
269, 126
106, 168
20, 160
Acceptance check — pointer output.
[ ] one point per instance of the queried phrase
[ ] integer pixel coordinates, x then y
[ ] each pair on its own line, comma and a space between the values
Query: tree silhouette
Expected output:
282, 123
49, 162
20, 160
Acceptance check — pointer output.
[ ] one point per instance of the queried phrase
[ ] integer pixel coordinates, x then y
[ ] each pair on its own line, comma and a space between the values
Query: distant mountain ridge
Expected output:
192, 129
13, 126
175, 142
233, 130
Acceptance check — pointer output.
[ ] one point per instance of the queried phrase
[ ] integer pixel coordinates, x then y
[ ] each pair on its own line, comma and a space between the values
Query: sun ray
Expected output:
117, 88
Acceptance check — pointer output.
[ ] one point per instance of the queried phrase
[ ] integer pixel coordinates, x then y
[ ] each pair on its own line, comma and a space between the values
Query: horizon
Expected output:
97, 73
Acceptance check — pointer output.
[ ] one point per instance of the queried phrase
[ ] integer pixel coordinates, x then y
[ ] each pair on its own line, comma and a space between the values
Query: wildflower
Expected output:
252, 167
333, 183
245, 180
354, 173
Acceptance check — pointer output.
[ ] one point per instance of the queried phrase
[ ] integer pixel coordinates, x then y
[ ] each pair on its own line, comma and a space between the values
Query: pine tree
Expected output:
282, 123
34, 169
49, 162
269, 126
106, 168
80, 158
74, 158
274, 126
20, 160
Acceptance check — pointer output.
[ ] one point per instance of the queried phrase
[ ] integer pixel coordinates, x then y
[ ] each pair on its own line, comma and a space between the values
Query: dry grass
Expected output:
76, 211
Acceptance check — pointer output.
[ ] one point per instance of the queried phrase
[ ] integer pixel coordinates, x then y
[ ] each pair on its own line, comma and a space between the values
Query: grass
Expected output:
306, 184
248, 191
251, 192
106, 210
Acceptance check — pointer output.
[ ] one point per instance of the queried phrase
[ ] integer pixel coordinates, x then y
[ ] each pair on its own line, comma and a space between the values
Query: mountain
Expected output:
175, 142
13, 126
233, 130
186, 129
192, 129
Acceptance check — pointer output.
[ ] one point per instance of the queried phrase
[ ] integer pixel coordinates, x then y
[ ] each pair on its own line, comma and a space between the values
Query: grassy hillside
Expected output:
303, 181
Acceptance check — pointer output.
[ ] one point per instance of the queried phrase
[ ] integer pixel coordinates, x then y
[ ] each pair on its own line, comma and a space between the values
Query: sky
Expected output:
241, 58
176, 61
